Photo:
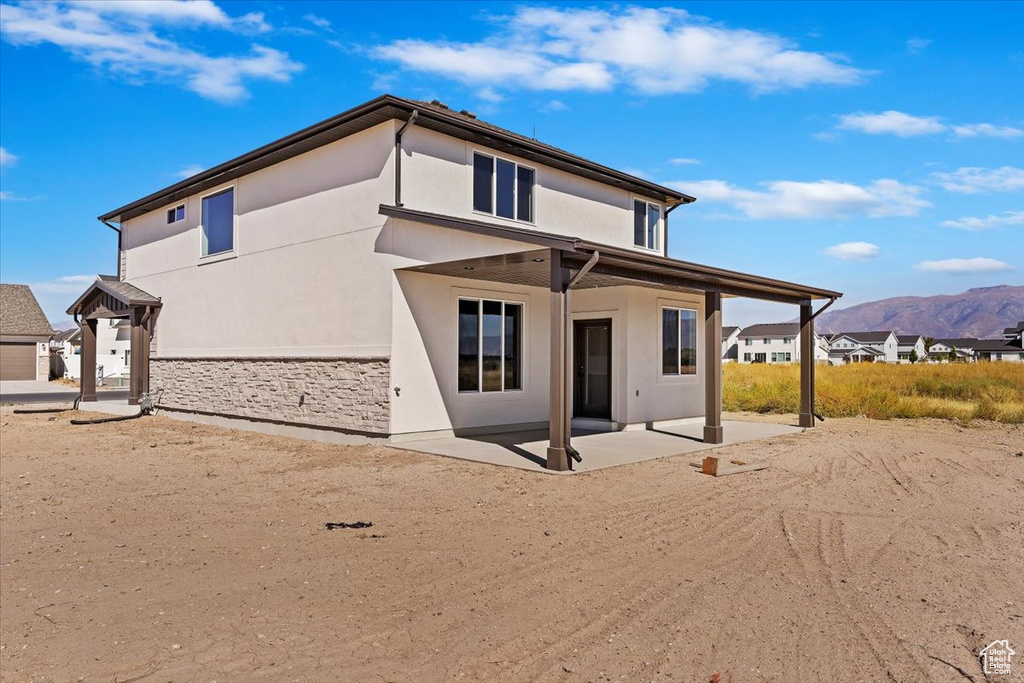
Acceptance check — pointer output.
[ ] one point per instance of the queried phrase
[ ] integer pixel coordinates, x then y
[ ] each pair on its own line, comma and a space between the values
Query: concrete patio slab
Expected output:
599, 450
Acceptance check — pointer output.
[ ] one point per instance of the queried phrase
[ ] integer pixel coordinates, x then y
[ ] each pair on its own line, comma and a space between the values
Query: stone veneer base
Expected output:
345, 394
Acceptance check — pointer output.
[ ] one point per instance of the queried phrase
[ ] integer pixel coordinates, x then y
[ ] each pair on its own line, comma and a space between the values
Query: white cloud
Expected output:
554, 105
489, 95
653, 51
319, 22
916, 46
964, 266
891, 122
907, 125
684, 161
853, 251
987, 222
788, 199
189, 171
6, 158
120, 38
54, 296
987, 130
977, 180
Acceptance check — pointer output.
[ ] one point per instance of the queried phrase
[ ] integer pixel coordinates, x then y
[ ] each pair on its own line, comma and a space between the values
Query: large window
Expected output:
503, 188
646, 224
678, 341
219, 222
490, 345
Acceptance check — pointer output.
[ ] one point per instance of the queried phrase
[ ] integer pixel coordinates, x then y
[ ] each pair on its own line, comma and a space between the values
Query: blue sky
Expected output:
872, 148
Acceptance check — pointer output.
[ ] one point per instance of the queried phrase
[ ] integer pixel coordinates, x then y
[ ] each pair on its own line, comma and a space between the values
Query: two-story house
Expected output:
404, 269
772, 343
861, 347
910, 345
730, 340
957, 350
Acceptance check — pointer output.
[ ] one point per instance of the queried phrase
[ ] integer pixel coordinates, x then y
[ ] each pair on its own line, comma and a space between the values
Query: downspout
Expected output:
822, 309
573, 453
398, 156
668, 210
118, 231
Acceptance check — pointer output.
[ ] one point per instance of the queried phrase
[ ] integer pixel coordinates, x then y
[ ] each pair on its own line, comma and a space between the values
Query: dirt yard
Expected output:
157, 550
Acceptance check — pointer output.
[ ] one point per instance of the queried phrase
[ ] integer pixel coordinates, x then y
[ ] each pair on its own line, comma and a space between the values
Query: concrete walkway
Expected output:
30, 391
599, 450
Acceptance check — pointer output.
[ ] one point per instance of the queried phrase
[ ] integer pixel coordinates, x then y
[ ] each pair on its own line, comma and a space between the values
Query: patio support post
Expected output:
712, 367
145, 340
134, 374
806, 366
87, 367
557, 458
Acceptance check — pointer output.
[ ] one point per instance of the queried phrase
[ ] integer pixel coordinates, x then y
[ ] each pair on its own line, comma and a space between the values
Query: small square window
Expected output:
176, 214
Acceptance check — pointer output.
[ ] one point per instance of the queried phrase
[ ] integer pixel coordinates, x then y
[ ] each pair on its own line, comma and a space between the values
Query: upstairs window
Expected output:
176, 214
646, 225
503, 188
219, 222
678, 341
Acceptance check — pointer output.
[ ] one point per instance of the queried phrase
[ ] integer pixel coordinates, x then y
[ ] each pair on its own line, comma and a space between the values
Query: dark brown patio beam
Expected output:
713, 367
87, 364
559, 420
806, 366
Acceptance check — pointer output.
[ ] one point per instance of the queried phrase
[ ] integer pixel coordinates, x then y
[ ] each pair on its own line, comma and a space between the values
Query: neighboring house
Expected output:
860, 354
1014, 333
113, 350
24, 335
730, 337
769, 343
884, 343
999, 350
908, 343
404, 270
963, 349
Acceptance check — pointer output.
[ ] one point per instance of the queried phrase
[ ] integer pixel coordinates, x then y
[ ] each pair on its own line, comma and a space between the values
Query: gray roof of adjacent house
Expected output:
20, 313
727, 331
907, 339
961, 343
875, 337
62, 336
996, 345
861, 350
771, 330
1014, 330
433, 115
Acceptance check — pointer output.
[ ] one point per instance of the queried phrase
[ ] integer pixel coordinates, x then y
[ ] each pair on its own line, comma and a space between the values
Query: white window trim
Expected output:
479, 391
174, 207
494, 187
228, 253
660, 236
678, 376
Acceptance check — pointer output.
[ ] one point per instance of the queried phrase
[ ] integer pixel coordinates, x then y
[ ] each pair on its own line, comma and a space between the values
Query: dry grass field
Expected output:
960, 391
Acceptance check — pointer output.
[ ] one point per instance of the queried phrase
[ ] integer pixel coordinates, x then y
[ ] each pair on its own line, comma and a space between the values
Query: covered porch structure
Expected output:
107, 298
563, 265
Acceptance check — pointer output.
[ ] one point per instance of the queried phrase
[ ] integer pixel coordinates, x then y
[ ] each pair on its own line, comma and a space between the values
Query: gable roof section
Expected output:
432, 115
989, 345
66, 335
120, 291
771, 330
20, 313
907, 339
961, 343
727, 331
876, 337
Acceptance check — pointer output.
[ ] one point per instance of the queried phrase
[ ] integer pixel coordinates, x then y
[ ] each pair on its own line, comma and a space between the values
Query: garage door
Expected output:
17, 360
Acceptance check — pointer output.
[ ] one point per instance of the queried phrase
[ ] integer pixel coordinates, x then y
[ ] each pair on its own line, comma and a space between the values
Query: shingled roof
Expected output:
771, 330
20, 313
875, 337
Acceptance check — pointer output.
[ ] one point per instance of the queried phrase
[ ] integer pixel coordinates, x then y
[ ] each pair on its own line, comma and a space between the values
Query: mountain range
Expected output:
982, 312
